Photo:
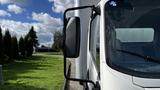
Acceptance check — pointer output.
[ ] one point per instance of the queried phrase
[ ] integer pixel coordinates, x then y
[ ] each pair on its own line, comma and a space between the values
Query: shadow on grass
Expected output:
51, 53
14, 70
35, 57
19, 87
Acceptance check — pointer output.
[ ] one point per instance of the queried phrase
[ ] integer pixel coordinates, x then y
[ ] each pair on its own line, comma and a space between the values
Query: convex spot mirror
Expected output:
72, 37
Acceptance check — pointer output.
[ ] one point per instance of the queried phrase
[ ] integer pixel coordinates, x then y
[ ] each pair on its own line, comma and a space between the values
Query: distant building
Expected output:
44, 48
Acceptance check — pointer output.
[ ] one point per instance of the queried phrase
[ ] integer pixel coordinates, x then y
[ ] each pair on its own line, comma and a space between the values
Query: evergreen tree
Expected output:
28, 46
7, 43
14, 48
1, 42
33, 35
22, 46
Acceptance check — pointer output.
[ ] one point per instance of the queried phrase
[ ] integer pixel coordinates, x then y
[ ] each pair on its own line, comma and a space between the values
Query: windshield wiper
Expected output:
147, 58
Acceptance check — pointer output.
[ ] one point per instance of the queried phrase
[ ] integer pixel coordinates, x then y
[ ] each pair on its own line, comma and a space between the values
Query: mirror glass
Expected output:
72, 40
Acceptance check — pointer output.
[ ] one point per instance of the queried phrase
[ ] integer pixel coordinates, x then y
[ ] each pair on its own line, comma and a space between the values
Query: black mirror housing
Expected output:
72, 39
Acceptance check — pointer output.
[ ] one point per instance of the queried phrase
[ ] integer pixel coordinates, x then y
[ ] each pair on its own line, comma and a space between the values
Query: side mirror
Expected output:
72, 37
71, 41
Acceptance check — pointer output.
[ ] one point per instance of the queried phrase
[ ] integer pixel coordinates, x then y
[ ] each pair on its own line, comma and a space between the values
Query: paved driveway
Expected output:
74, 85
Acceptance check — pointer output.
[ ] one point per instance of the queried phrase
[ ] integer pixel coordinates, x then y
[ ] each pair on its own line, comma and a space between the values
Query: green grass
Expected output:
51, 53
40, 72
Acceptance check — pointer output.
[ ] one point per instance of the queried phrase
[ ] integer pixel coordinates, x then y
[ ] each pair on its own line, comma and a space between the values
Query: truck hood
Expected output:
146, 82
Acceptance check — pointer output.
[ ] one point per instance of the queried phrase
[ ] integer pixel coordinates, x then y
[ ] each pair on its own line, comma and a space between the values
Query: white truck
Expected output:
81, 62
123, 45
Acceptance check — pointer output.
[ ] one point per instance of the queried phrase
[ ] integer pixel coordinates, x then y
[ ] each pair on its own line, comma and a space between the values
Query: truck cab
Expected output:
123, 45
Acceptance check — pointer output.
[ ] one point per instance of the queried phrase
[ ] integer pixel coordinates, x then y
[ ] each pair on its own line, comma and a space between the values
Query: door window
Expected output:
95, 40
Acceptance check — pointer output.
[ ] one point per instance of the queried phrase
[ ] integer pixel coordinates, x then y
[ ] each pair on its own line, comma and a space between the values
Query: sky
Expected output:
46, 16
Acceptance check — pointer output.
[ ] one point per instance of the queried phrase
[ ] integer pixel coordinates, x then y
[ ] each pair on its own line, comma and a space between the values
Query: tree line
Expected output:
57, 41
11, 48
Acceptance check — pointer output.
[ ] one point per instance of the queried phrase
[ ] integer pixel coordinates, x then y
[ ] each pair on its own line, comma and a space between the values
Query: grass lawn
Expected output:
40, 72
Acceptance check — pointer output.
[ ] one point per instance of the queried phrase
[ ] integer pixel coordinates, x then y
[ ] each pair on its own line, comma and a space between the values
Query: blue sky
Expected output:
45, 15
30, 6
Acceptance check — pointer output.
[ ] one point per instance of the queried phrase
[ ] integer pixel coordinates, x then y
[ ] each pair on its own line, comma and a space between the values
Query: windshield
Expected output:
133, 36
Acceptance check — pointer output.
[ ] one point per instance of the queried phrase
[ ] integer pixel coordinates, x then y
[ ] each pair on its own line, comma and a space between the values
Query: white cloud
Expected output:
4, 1
17, 2
50, 0
4, 13
45, 26
14, 8
46, 22
18, 28
46, 19
46, 38
60, 5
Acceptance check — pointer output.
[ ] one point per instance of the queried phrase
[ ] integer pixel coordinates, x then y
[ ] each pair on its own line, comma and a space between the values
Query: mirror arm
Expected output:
75, 8
64, 48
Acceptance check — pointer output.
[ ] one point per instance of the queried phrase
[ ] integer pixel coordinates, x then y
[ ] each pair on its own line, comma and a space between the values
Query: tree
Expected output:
7, 43
1, 42
14, 48
22, 46
33, 35
28, 46
58, 37
2, 55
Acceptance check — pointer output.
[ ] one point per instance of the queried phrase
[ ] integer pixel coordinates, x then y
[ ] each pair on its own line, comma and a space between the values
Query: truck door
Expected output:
94, 40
